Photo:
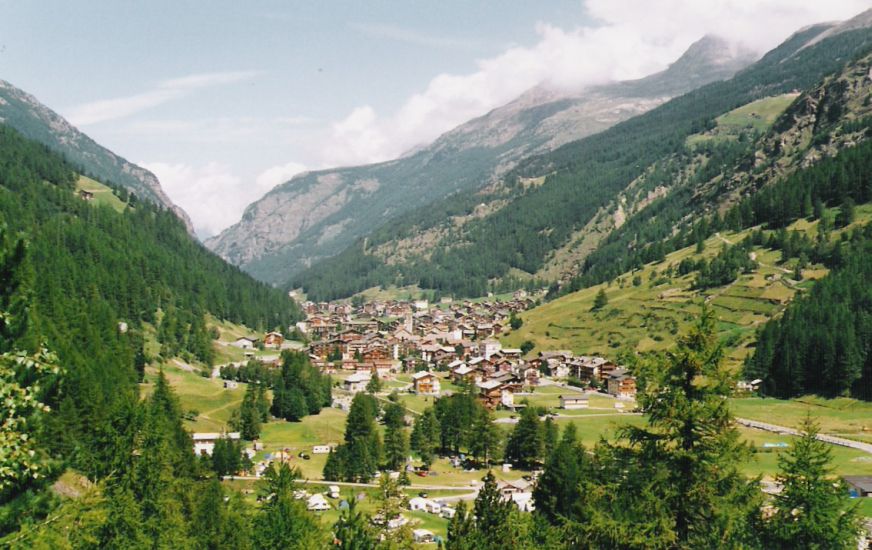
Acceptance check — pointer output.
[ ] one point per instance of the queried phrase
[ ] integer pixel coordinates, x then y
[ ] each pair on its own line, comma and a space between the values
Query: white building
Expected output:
317, 503
357, 382
204, 442
244, 343
417, 503
489, 347
422, 536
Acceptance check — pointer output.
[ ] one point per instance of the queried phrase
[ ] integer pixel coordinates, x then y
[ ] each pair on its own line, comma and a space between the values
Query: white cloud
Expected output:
631, 38
212, 194
165, 91
277, 175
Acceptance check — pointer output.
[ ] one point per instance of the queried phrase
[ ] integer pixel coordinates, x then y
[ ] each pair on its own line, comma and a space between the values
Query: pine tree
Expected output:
263, 404
485, 438
250, 414
558, 489
525, 445
396, 442
283, 521
686, 459
297, 408
550, 435
390, 502
601, 300
425, 436
461, 529
374, 385
352, 530
812, 510
334, 468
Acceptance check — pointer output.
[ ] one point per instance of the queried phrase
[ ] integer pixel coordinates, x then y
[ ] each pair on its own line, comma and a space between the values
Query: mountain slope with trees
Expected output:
84, 281
23, 112
317, 215
547, 200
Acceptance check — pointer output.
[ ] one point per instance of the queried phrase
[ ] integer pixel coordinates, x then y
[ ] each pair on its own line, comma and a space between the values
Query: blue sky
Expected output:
223, 100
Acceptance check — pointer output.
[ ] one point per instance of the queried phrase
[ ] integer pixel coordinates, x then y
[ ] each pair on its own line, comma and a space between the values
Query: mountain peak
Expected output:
712, 53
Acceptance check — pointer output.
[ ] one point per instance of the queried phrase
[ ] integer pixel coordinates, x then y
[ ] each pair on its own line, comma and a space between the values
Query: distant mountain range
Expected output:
599, 206
24, 113
316, 215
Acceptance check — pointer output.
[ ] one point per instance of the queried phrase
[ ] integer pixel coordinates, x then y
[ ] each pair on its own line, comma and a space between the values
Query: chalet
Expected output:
244, 342
509, 488
464, 374
484, 330
86, 195
512, 353
621, 384
571, 402
273, 340
490, 393
231, 384
356, 382
531, 376
320, 327
425, 383
204, 442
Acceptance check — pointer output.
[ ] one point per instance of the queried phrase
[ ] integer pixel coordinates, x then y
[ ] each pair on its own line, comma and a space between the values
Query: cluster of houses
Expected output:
459, 340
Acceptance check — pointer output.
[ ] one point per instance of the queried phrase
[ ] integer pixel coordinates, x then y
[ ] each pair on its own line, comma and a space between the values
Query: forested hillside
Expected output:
85, 281
24, 113
546, 201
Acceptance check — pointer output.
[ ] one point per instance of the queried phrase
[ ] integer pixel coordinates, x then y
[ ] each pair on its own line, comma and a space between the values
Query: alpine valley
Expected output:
635, 315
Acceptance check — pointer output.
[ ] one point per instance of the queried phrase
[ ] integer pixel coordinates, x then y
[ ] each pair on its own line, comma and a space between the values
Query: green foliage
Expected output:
525, 445
601, 300
455, 414
681, 486
283, 521
811, 511
358, 458
485, 437
426, 438
820, 344
558, 489
250, 417
300, 389
229, 457
352, 531
396, 441
374, 385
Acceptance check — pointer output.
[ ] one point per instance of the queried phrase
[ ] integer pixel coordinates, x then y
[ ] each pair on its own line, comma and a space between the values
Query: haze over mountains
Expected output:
316, 215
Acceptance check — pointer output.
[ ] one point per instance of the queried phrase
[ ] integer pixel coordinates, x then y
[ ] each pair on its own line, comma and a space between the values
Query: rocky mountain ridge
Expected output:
316, 215
34, 120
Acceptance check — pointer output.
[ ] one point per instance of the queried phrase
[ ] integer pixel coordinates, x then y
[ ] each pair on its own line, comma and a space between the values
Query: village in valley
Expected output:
414, 352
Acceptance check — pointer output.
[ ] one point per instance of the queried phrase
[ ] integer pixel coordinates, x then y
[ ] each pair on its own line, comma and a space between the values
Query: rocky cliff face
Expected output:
318, 214
34, 120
